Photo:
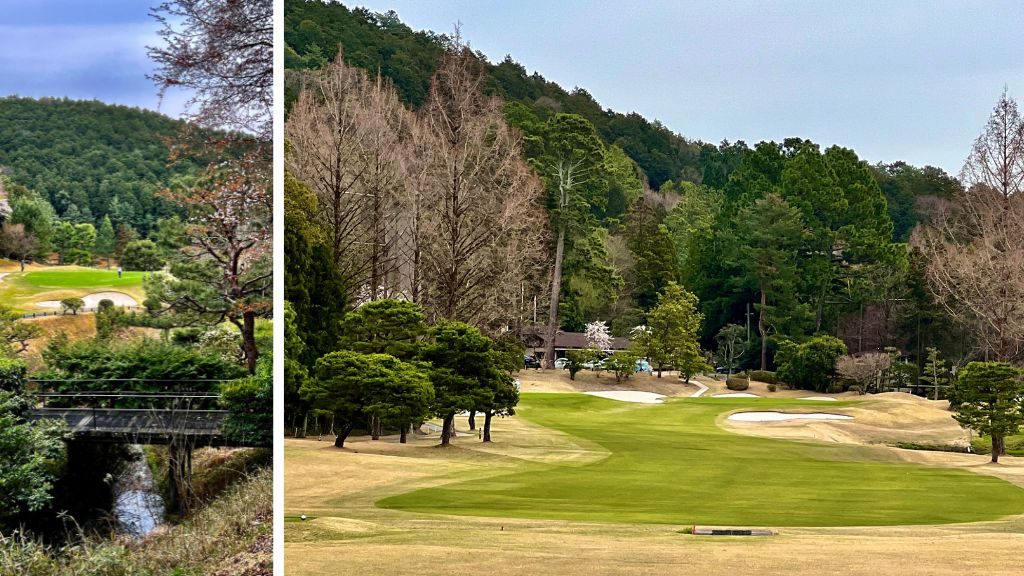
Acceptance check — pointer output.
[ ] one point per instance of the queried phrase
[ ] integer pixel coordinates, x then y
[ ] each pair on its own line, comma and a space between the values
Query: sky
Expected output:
82, 49
909, 80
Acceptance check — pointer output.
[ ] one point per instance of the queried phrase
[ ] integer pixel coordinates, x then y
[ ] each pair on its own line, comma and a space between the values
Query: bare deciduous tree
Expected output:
483, 224
865, 369
436, 207
17, 242
348, 136
975, 246
222, 50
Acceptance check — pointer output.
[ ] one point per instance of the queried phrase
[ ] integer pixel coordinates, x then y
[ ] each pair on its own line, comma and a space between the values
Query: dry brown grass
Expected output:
348, 534
77, 327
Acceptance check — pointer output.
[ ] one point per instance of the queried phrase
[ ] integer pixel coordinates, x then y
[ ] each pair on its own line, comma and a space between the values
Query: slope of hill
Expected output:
314, 30
89, 159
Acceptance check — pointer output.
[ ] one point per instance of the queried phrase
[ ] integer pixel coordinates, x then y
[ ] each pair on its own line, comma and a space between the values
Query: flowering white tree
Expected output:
598, 336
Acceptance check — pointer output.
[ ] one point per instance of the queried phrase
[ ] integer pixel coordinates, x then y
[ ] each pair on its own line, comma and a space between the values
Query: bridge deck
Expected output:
139, 426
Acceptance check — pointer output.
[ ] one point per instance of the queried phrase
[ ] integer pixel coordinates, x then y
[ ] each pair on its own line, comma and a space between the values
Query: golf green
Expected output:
23, 290
73, 277
671, 463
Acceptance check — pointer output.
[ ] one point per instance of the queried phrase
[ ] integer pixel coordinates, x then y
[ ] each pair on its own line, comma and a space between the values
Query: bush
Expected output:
12, 375
810, 365
737, 383
766, 376
143, 255
623, 364
72, 305
576, 360
251, 403
772, 387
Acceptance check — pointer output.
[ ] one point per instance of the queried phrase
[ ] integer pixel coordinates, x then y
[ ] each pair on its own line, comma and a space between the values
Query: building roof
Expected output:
567, 340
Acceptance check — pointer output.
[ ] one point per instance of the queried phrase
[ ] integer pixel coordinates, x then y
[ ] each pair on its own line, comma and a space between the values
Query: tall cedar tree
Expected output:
569, 155
769, 234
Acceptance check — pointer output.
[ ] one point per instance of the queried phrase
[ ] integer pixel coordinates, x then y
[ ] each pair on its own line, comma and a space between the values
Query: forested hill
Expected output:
89, 159
315, 29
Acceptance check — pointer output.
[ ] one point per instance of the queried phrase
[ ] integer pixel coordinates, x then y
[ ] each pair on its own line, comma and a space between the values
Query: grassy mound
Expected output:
672, 464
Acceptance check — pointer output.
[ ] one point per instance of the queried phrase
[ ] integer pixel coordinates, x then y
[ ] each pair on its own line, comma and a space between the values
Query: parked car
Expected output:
643, 365
561, 363
531, 362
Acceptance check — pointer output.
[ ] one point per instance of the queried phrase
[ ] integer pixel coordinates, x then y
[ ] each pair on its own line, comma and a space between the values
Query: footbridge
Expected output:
182, 415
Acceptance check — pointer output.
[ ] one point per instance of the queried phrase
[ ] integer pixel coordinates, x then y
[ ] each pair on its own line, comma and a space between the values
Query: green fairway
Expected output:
670, 463
22, 290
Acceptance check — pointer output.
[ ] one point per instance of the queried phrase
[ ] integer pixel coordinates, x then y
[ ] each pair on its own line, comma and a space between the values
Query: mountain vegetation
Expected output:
418, 170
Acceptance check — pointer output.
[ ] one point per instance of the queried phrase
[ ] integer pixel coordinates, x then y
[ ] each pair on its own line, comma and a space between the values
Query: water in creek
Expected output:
138, 506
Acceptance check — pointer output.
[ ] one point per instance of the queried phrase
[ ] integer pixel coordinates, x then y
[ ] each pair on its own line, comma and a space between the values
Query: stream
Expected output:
138, 506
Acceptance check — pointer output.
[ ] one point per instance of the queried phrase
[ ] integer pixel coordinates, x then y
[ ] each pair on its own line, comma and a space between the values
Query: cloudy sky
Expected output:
81, 49
908, 80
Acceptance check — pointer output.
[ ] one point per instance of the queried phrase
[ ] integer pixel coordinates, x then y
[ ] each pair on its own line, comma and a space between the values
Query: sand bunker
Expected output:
629, 396
780, 416
820, 398
2, 274
736, 395
93, 300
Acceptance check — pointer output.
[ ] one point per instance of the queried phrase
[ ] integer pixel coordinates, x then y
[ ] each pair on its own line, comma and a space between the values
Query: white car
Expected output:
561, 363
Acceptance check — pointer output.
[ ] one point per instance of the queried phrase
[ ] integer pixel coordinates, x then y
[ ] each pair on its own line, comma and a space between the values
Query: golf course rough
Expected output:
671, 464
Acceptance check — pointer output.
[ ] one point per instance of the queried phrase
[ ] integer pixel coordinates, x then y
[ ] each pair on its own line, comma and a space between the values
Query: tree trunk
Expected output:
375, 427
487, 426
403, 435
472, 419
339, 442
448, 429
761, 330
998, 448
249, 340
556, 291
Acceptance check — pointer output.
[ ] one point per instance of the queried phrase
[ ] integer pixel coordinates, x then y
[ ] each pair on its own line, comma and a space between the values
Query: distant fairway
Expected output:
671, 463
23, 290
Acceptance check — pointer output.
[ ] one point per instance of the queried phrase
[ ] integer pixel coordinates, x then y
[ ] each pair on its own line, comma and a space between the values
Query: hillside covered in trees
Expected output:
419, 173
314, 31
88, 159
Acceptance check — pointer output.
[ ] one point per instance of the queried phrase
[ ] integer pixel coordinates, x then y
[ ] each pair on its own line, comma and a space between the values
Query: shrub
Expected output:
737, 383
12, 375
772, 387
810, 365
251, 403
143, 255
766, 376
623, 364
576, 360
72, 305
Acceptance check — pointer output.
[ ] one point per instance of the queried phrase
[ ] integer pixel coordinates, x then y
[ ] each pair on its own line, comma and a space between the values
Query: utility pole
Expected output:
748, 323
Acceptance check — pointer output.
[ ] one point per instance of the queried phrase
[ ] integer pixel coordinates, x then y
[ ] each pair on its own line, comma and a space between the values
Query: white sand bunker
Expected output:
819, 398
780, 416
93, 300
629, 396
736, 395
